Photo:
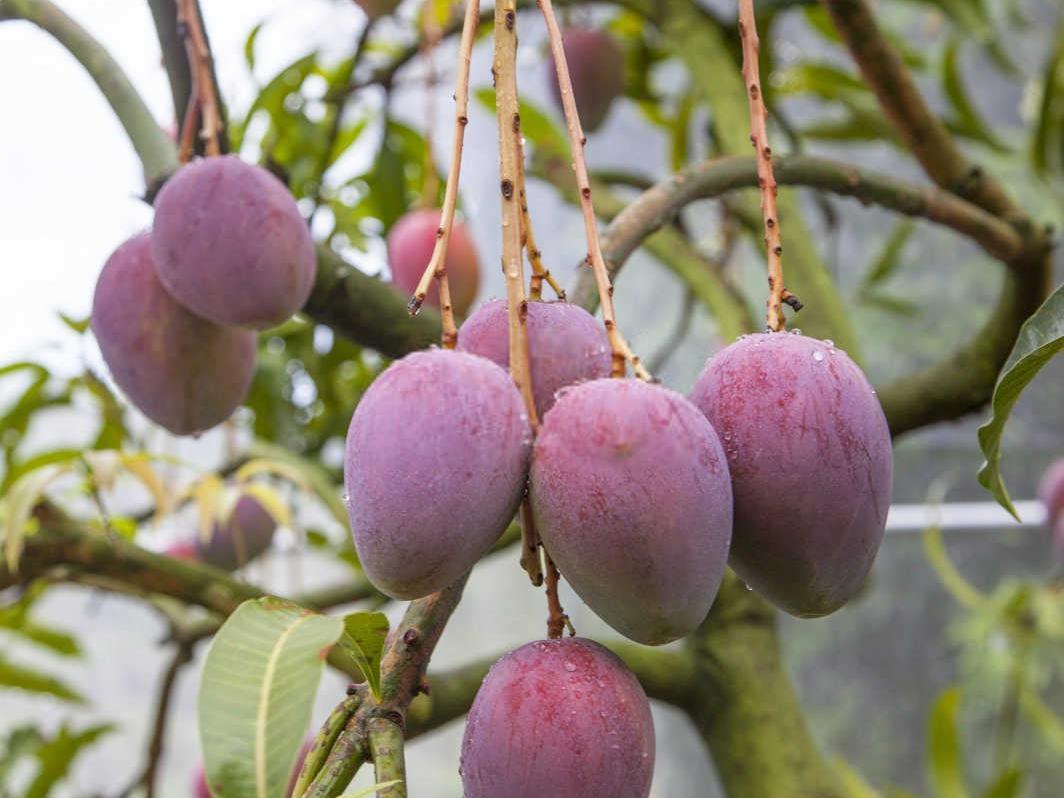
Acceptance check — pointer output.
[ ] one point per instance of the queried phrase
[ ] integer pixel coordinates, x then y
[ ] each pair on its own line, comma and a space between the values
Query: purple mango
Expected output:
811, 467
631, 496
230, 243
437, 455
247, 534
566, 345
563, 718
183, 372
596, 68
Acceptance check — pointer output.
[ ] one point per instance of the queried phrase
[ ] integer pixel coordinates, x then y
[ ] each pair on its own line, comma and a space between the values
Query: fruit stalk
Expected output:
557, 619
202, 102
528, 240
577, 140
774, 319
504, 70
437, 266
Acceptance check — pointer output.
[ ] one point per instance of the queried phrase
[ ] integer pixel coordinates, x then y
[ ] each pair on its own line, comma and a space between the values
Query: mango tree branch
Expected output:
921, 131
155, 150
179, 71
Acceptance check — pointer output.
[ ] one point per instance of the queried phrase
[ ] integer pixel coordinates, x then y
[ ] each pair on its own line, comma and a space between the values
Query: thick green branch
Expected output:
659, 205
367, 310
155, 150
744, 706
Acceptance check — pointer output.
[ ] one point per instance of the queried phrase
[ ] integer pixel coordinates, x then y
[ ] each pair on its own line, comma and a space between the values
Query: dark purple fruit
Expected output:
810, 459
596, 68
559, 718
247, 534
183, 372
632, 499
230, 244
437, 454
566, 345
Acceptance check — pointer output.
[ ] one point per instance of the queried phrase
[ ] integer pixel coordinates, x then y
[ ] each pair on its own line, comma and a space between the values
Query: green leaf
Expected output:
944, 746
1040, 338
853, 782
58, 754
19, 503
1047, 142
967, 120
888, 260
1007, 785
952, 579
31, 680
1048, 723
249, 46
77, 325
257, 692
363, 641
15, 618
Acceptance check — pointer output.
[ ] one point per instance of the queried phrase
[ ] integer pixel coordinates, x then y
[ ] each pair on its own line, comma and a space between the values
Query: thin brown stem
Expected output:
437, 266
509, 121
774, 319
528, 241
199, 56
162, 709
557, 620
530, 560
577, 141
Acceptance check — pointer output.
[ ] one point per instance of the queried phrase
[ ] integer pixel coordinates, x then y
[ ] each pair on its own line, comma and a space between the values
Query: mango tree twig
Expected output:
577, 140
508, 116
528, 240
437, 266
199, 56
774, 319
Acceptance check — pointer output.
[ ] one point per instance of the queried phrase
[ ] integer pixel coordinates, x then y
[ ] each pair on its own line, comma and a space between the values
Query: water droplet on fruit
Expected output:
829, 342
818, 355
796, 331
570, 667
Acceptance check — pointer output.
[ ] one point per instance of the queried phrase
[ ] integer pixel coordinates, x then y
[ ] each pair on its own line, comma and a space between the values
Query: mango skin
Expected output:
231, 245
183, 372
596, 68
560, 718
436, 461
566, 345
253, 525
811, 465
631, 497
410, 244
1051, 491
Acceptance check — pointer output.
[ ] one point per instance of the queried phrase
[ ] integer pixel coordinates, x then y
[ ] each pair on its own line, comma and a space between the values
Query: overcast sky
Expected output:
69, 178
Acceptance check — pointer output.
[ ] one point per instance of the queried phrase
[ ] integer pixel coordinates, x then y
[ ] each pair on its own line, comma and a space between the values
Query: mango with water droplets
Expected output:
811, 467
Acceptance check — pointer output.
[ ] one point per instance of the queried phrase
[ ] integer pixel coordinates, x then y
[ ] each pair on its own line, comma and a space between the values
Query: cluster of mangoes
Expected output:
779, 462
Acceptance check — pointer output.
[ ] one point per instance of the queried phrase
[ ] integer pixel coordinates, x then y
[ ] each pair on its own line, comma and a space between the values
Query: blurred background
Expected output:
874, 678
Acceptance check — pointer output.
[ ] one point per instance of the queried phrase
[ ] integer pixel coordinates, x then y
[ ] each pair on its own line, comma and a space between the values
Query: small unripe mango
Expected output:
247, 534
